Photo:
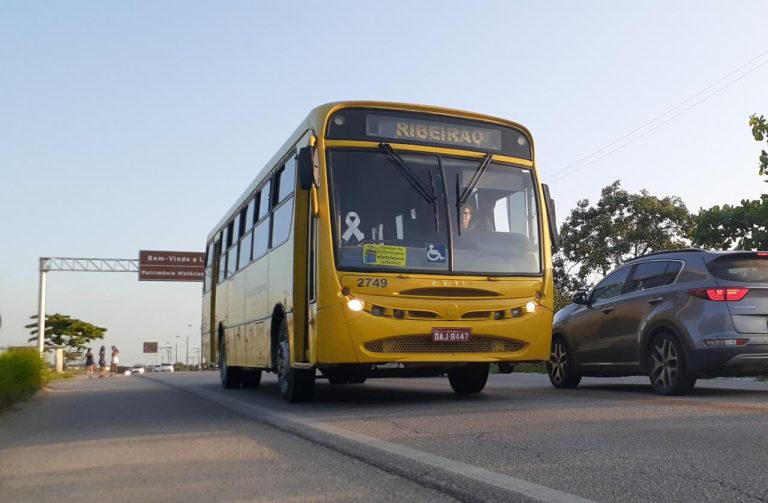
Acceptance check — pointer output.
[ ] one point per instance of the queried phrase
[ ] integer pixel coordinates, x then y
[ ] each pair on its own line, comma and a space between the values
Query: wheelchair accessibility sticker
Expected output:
437, 253
384, 255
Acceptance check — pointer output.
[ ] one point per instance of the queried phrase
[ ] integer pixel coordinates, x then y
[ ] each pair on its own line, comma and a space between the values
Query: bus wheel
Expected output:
296, 385
230, 376
468, 378
251, 378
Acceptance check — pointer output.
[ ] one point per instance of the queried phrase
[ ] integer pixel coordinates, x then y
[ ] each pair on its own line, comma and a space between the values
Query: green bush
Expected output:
22, 373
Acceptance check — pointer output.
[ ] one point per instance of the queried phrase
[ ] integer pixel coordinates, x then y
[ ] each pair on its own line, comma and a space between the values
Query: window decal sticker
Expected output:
384, 255
353, 222
437, 253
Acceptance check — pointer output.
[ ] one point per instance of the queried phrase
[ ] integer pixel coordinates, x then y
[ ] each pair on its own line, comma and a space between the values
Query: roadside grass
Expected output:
22, 373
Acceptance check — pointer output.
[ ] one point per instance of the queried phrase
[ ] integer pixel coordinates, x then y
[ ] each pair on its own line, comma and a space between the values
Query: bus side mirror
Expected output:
305, 168
551, 218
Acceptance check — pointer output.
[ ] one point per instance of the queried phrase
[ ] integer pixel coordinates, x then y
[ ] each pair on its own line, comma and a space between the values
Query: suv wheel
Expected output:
562, 373
666, 366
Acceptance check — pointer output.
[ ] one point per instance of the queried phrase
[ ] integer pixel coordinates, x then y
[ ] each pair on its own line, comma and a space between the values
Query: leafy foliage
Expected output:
760, 132
61, 330
742, 227
596, 239
22, 373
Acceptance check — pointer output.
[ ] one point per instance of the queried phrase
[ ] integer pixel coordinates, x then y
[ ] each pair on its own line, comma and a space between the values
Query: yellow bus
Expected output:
383, 239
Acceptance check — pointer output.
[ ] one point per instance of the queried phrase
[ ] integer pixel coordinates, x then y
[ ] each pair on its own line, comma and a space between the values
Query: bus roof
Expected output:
315, 122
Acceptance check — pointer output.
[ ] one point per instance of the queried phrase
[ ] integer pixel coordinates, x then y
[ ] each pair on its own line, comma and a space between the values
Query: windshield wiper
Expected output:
472, 183
408, 174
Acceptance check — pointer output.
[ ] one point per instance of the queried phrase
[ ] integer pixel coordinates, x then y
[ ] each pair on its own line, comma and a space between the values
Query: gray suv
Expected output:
675, 316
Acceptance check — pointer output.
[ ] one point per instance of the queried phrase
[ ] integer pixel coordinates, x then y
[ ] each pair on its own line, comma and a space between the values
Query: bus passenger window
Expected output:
222, 268
264, 200
260, 238
249, 215
281, 227
286, 179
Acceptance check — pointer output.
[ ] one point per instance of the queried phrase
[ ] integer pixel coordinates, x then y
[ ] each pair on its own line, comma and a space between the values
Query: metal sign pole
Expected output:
41, 307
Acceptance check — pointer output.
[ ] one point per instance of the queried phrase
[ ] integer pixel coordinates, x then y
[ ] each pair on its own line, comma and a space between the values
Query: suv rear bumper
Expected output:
722, 362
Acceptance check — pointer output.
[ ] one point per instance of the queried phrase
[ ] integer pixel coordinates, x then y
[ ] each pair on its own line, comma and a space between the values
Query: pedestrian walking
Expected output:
102, 361
115, 361
89, 363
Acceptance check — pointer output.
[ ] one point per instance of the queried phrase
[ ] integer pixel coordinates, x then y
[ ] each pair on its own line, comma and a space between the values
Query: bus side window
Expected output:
209, 258
246, 242
264, 200
261, 230
221, 251
234, 227
286, 180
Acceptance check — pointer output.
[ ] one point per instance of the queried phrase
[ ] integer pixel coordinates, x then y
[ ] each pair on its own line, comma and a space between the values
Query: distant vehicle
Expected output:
138, 369
675, 316
164, 367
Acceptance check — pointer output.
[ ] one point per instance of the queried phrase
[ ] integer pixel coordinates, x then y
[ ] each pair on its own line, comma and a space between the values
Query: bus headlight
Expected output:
355, 305
530, 306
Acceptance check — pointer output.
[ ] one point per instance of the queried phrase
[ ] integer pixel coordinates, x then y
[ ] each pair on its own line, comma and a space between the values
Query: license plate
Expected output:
451, 334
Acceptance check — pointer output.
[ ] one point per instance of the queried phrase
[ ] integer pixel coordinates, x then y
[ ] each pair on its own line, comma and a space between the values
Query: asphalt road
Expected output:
181, 437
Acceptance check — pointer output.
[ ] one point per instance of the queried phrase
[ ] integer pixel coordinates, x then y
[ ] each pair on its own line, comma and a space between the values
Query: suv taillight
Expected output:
720, 294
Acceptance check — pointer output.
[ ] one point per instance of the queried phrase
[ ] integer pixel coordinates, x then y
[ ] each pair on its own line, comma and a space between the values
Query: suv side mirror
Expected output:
580, 298
305, 168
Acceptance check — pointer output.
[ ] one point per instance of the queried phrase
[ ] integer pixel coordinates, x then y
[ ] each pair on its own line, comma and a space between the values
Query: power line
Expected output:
655, 119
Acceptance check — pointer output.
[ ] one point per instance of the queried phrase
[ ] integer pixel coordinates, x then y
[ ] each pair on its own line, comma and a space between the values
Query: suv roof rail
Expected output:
679, 250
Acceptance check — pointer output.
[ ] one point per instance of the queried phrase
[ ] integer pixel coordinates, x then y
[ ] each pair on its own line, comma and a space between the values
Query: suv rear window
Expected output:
745, 268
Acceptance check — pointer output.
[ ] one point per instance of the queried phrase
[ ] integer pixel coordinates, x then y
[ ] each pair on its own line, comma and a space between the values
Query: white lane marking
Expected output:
506, 482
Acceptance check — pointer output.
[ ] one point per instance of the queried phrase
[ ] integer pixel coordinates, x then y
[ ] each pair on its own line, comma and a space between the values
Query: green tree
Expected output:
61, 330
596, 239
742, 227
760, 132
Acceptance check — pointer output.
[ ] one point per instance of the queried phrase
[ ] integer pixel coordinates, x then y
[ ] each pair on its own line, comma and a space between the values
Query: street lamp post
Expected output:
189, 325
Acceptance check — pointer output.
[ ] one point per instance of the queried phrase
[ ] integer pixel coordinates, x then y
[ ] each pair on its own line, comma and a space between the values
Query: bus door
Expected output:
213, 257
305, 260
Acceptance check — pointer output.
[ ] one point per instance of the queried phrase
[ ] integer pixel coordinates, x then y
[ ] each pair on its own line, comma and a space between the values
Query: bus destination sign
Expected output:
171, 266
405, 128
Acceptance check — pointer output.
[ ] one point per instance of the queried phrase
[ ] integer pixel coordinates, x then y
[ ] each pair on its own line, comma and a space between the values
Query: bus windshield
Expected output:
384, 221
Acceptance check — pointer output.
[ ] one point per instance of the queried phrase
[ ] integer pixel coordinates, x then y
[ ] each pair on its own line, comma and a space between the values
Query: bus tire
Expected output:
468, 379
230, 376
251, 378
296, 385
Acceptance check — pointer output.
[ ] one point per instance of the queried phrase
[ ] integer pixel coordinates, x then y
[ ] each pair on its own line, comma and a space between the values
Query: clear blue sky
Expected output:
135, 125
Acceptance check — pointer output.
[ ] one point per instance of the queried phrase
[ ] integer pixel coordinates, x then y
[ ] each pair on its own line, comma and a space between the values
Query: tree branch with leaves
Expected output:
760, 132
596, 239
62, 330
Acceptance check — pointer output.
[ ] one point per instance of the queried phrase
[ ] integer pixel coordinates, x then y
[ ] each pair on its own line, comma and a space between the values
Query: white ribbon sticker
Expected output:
353, 222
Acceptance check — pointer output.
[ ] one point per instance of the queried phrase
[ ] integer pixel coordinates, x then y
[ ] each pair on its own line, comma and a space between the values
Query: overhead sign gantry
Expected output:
151, 266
